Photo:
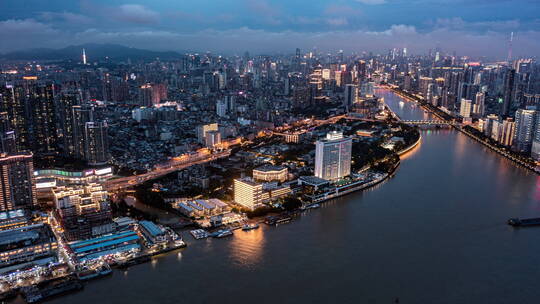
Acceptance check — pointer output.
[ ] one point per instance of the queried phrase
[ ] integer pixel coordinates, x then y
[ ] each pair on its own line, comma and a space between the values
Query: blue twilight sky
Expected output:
473, 27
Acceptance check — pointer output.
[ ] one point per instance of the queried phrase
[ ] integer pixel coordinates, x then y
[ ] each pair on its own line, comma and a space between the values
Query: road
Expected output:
174, 165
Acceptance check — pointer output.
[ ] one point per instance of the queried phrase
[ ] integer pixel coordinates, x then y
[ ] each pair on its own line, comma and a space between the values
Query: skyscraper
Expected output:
80, 116
66, 102
8, 142
333, 156
96, 149
508, 92
525, 127
17, 189
351, 92
535, 149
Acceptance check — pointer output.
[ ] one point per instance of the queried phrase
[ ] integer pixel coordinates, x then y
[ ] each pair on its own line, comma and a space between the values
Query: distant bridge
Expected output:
428, 122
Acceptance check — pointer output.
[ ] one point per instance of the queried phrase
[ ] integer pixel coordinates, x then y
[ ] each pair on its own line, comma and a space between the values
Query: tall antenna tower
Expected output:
83, 56
509, 59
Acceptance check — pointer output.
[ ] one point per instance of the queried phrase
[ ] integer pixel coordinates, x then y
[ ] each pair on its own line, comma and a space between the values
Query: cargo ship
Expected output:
516, 222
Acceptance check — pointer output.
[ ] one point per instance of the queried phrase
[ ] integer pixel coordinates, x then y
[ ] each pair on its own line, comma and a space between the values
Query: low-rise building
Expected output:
197, 208
27, 245
111, 244
248, 193
269, 173
152, 233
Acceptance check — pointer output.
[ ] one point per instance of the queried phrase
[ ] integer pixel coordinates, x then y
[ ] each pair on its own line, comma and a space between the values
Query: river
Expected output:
434, 233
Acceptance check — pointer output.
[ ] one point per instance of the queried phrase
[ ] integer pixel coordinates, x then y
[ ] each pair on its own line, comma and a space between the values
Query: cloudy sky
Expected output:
469, 27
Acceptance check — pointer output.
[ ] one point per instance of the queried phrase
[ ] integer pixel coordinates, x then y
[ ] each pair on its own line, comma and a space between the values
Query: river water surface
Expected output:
434, 233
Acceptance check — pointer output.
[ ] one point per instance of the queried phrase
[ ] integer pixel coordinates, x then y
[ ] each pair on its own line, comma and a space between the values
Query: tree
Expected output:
291, 203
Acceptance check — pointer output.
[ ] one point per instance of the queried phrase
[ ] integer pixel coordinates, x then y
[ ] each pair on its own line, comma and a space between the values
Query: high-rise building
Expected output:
66, 102
496, 130
535, 149
152, 93
509, 80
508, 130
41, 112
17, 188
8, 142
80, 116
248, 193
203, 129
333, 156
351, 92
525, 128
221, 108
96, 149
213, 138
367, 89
488, 125
465, 108
479, 104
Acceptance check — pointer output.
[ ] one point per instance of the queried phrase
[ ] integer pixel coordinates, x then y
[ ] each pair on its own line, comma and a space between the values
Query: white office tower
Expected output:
465, 108
333, 156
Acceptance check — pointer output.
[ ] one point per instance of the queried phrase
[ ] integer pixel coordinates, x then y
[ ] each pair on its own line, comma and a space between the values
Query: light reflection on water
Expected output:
247, 246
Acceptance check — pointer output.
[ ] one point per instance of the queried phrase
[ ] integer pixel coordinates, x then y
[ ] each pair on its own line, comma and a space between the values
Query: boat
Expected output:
222, 233
283, 220
133, 262
248, 227
314, 206
51, 288
94, 273
516, 222
179, 243
199, 234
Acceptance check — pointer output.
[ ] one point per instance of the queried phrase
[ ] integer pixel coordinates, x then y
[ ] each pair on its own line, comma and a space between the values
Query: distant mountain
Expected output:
93, 52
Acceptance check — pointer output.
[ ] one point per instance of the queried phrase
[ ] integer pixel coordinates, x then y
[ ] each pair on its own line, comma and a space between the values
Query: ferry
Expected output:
199, 234
248, 227
222, 233
314, 206
524, 222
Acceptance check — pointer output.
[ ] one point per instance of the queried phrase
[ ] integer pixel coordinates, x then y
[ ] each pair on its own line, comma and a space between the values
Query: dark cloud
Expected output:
135, 13
263, 26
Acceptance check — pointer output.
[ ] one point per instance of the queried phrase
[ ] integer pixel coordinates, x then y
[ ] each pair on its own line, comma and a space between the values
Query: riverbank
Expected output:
442, 115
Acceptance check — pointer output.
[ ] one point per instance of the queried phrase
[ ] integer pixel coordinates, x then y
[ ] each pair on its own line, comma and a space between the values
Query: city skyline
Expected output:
202, 151
475, 28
